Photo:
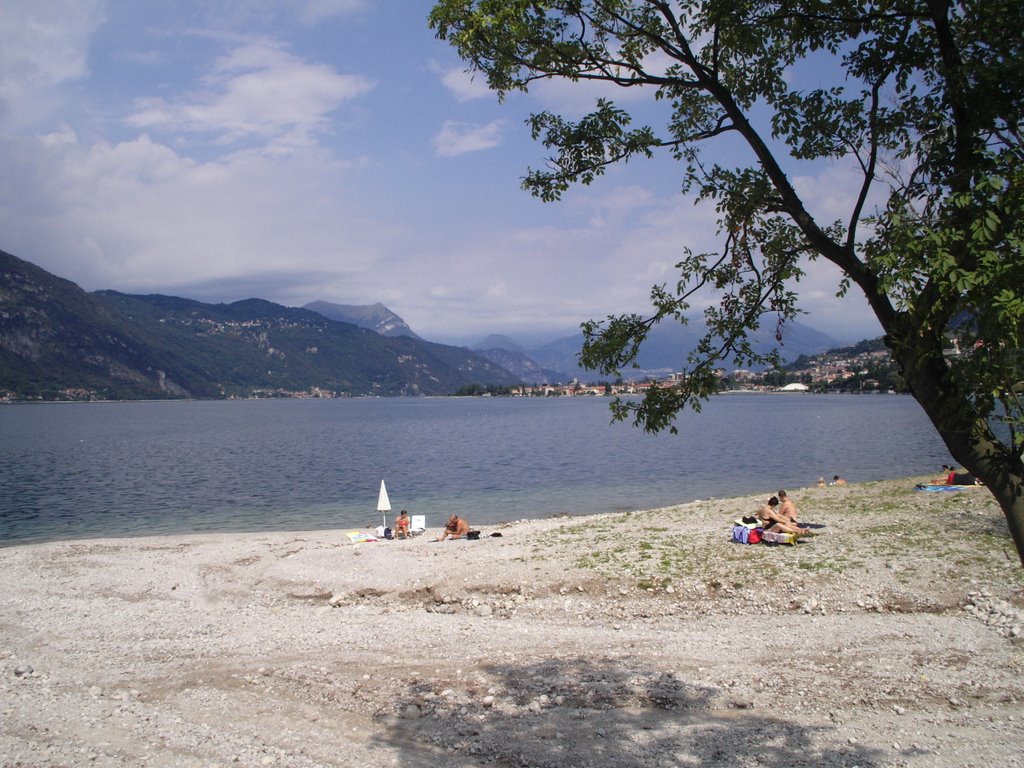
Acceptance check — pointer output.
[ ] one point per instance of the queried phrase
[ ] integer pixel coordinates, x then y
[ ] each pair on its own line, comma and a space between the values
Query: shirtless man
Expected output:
787, 507
455, 528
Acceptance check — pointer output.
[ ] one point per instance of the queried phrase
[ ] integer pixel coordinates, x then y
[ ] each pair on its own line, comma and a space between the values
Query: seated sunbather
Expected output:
787, 507
402, 523
455, 528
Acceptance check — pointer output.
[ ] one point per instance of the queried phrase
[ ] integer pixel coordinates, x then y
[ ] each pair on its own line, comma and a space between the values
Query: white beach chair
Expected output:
418, 525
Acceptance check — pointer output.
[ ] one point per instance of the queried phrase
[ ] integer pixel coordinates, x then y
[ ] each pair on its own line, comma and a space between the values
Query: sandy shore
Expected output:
892, 638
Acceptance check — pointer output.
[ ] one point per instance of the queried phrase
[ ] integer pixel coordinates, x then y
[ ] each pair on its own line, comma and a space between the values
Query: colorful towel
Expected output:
360, 537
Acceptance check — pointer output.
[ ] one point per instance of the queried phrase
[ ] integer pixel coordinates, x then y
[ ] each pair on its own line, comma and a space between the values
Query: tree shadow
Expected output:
578, 712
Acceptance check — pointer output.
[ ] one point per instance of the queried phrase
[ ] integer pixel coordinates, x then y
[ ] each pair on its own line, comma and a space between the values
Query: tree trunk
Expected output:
969, 439
1001, 473
1008, 488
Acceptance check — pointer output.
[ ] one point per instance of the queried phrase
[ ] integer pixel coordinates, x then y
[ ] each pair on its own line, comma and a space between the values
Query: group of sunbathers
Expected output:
779, 515
455, 528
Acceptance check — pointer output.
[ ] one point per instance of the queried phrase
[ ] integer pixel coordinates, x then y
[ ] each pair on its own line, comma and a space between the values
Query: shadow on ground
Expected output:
580, 713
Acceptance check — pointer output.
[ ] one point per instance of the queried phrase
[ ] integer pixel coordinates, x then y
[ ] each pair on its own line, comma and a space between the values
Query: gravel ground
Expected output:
894, 637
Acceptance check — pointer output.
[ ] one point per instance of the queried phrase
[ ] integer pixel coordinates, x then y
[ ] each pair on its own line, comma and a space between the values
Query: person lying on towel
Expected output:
955, 478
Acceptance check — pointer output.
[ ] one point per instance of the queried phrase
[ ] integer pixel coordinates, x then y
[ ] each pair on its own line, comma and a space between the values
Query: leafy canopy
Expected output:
925, 104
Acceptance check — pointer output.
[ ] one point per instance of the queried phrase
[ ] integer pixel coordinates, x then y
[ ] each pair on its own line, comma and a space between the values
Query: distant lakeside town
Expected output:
866, 367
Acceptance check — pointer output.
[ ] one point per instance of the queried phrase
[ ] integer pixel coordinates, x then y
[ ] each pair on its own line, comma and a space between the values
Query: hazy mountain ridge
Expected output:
375, 317
667, 346
58, 342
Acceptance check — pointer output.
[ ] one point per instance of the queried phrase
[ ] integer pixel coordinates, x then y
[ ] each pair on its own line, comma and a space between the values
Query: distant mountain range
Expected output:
60, 342
663, 352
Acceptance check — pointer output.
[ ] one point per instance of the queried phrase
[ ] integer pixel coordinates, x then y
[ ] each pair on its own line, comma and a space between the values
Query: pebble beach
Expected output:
894, 636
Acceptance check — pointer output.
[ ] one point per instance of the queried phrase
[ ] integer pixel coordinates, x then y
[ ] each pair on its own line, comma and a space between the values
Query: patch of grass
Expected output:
822, 566
659, 560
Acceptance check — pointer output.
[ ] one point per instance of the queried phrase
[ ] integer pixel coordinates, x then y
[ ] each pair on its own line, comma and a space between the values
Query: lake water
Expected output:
71, 471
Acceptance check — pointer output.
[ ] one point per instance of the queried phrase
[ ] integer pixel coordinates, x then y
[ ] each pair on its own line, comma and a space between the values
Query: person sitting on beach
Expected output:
774, 522
837, 480
455, 528
402, 523
787, 507
821, 482
769, 512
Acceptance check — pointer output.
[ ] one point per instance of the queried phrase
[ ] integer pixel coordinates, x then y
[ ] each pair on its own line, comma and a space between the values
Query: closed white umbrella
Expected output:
383, 504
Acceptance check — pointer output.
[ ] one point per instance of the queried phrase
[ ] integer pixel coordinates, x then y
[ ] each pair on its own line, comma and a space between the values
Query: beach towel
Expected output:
361, 537
939, 488
778, 538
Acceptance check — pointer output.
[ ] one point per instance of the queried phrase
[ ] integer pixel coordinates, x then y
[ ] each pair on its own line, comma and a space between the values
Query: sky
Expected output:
335, 150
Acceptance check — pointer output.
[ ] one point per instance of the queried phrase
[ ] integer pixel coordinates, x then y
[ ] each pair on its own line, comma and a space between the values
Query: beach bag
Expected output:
388, 533
740, 534
755, 536
473, 535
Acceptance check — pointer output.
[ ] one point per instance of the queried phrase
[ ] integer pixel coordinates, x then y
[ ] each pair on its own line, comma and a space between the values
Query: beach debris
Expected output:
995, 613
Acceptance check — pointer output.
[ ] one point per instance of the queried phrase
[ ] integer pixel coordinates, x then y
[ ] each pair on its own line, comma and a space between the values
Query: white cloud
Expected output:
257, 90
466, 86
614, 207
43, 44
459, 138
136, 216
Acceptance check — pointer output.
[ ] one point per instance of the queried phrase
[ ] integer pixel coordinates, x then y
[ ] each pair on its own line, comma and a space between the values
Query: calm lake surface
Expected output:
84, 470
